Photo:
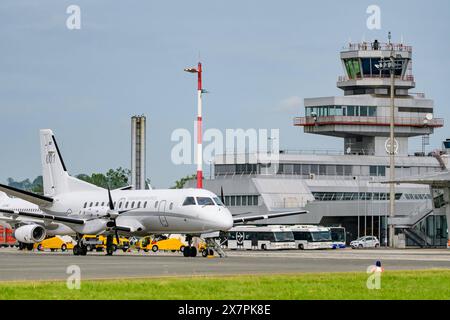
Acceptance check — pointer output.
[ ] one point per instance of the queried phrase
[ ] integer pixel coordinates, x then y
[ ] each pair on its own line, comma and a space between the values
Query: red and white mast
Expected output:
199, 129
198, 70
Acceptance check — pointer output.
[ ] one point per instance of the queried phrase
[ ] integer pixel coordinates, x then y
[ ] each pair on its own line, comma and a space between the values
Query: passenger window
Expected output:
120, 205
156, 204
85, 205
96, 204
171, 206
90, 205
126, 204
204, 201
189, 201
145, 204
132, 205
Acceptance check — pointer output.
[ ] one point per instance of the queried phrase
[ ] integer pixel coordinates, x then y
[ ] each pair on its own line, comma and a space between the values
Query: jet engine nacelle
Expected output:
31, 233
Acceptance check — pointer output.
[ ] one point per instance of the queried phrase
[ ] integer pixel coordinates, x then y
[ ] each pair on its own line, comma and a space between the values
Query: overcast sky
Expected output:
261, 58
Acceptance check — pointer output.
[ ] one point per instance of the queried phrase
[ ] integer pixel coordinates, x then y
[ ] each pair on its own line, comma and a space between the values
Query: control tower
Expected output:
362, 115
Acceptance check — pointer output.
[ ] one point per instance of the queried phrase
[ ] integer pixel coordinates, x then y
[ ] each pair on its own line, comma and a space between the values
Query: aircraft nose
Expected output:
227, 220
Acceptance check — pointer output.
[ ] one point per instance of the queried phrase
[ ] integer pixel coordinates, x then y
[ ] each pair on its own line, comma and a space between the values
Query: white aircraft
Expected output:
33, 227
88, 209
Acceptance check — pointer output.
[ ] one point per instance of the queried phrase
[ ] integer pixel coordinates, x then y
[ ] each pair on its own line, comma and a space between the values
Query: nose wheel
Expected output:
190, 250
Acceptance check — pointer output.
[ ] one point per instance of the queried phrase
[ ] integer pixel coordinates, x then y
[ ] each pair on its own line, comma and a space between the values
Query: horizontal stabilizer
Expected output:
245, 219
41, 201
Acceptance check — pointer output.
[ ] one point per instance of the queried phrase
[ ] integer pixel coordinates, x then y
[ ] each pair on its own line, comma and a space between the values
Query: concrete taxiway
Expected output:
23, 265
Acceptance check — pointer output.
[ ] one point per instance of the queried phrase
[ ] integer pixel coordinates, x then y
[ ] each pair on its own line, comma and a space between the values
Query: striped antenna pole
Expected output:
199, 150
199, 129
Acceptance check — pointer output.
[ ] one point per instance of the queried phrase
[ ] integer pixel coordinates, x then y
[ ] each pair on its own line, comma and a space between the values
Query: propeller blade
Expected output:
111, 204
222, 198
117, 237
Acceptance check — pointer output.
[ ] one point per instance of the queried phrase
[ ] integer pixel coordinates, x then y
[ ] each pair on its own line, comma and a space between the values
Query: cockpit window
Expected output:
189, 201
204, 201
218, 202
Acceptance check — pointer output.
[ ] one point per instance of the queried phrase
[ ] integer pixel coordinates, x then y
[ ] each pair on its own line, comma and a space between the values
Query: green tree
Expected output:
119, 178
179, 184
38, 185
115, 179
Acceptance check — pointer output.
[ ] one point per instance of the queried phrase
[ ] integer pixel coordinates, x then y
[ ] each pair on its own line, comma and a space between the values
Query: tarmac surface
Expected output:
24, 265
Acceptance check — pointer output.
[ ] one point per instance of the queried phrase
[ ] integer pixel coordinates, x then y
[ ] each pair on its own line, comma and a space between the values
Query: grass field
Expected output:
430, 284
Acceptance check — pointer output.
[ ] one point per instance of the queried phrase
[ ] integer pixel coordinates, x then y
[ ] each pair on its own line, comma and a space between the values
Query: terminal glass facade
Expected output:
351, 111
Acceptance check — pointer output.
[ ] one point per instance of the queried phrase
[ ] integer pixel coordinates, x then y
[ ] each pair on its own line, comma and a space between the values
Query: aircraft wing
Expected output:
245, 219
37, 199
43, 216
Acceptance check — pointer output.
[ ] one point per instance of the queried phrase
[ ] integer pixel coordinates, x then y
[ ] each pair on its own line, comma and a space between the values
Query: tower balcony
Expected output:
373, 126
368, 121
381, 81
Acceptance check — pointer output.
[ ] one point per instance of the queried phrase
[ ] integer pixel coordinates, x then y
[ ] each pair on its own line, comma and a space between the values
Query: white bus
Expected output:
254, 238
338, 237
311, 237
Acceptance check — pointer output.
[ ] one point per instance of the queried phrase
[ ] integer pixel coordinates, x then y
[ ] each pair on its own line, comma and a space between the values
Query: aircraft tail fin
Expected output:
54, 172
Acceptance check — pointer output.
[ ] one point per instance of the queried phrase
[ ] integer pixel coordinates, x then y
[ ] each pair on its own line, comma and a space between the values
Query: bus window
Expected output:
321, 236
266, 236
338, 234
283, 236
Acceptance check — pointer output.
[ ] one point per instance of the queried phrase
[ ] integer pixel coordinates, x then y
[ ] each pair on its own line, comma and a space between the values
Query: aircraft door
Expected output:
162, 211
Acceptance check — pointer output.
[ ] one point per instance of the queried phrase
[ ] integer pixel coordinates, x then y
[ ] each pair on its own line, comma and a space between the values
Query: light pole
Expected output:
390, 65
198, 71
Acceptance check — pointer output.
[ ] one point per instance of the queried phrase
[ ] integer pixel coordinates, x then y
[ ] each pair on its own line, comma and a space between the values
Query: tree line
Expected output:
113, 178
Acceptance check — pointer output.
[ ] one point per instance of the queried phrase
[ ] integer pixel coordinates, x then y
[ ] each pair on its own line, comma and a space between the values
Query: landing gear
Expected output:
26, 246
189, 251
110, 247
80, 249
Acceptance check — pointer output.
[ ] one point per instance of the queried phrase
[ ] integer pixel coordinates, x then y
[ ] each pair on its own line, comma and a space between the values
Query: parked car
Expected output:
56, 243
365, 242
170, 244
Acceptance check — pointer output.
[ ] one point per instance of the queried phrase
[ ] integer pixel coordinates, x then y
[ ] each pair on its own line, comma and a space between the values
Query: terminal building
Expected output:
342, 188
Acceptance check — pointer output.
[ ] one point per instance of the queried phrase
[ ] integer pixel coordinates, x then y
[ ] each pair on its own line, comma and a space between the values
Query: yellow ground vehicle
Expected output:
171, 244
165, 244
55, 243
98, 243
123, 244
